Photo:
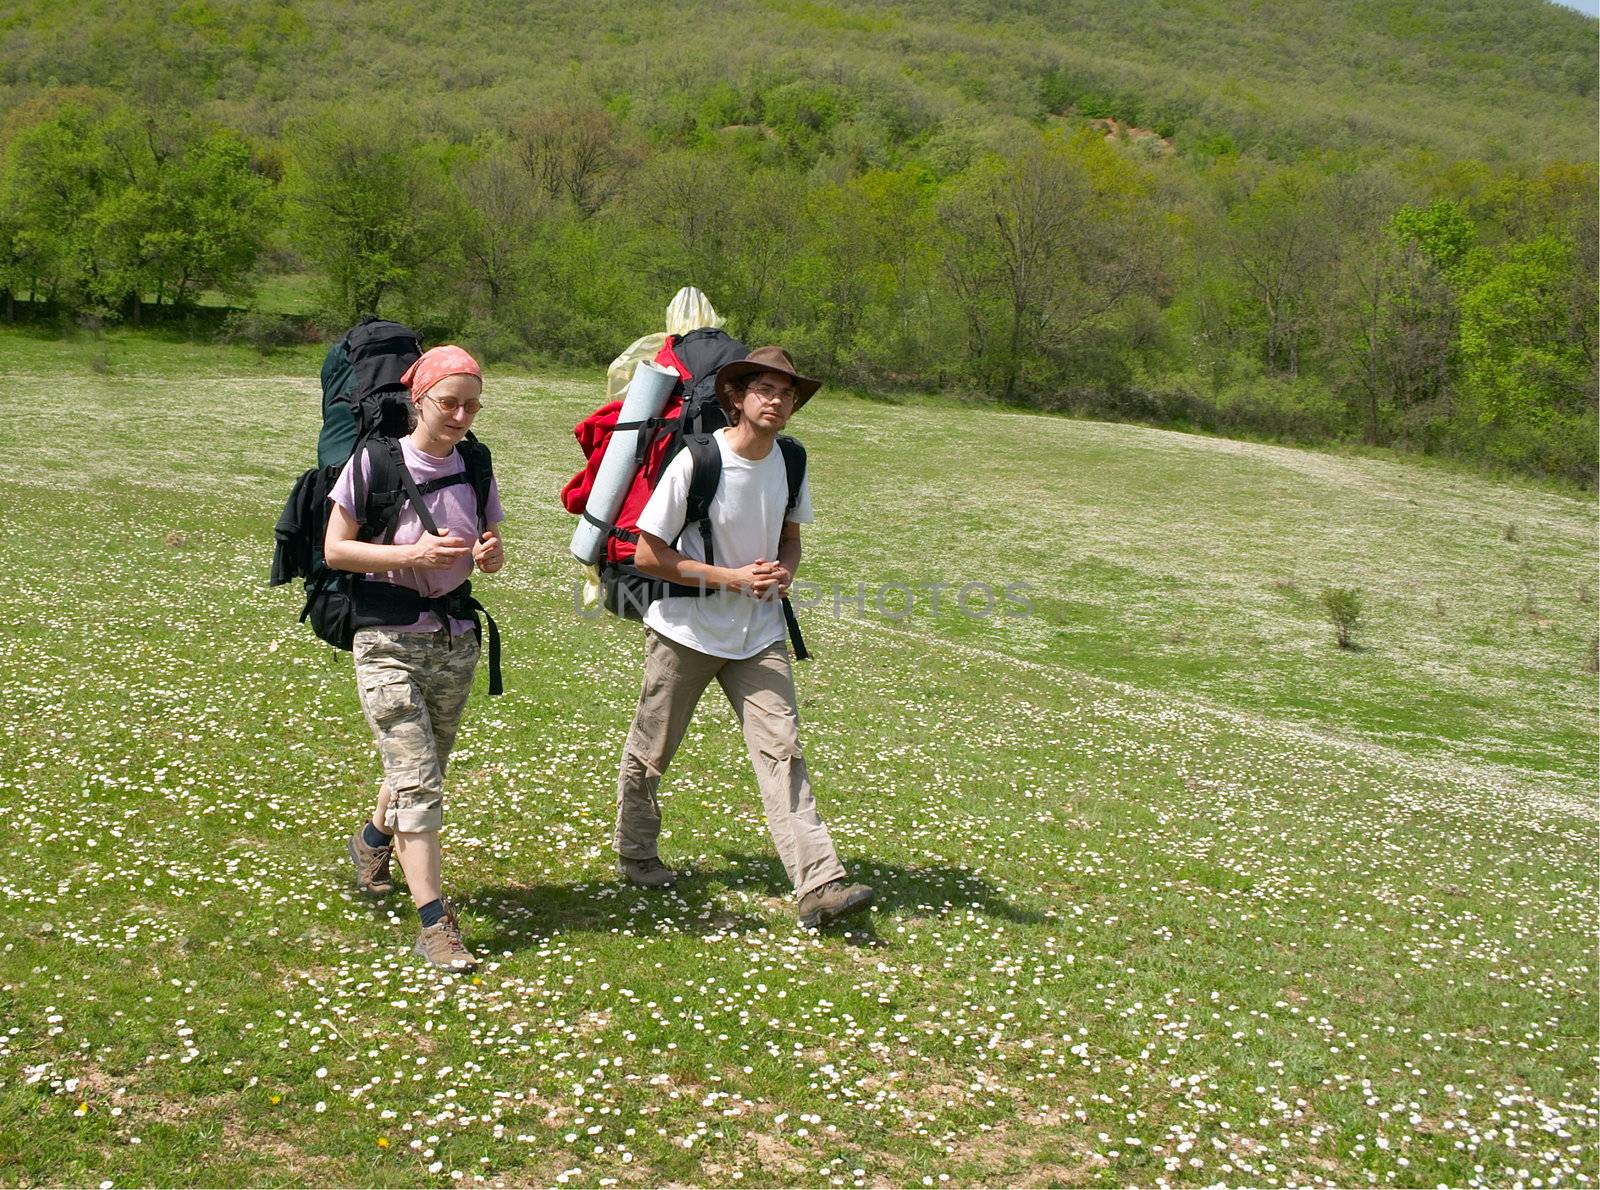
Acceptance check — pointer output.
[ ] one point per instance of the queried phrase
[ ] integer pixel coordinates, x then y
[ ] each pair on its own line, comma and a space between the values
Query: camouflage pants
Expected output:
413, 687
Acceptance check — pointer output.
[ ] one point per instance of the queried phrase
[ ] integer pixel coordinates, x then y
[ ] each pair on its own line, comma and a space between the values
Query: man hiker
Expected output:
733, 633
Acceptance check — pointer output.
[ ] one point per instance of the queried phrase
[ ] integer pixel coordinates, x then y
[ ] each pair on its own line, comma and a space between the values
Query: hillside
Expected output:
1312, 223
1484, 78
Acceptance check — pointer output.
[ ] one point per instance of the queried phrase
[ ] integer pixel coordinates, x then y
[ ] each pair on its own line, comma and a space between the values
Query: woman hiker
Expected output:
414, 675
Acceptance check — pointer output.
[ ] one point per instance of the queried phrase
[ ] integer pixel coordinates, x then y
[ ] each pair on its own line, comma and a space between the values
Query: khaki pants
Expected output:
761, 689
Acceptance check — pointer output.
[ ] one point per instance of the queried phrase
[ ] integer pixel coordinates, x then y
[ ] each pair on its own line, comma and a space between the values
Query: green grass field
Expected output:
1170, 888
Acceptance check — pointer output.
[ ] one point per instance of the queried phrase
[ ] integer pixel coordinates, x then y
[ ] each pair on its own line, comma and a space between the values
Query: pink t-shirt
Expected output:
454, 509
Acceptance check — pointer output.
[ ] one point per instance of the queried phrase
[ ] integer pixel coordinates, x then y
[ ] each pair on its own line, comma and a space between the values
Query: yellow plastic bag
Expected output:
688, 311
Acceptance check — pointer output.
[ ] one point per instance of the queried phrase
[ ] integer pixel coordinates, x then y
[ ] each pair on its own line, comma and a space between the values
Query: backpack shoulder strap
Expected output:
479, 466
362, 487
794, 468
794, 473
705, 474
389, 478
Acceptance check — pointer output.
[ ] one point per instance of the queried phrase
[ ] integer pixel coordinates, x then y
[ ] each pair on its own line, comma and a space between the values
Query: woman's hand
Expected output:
489, 551
438, 553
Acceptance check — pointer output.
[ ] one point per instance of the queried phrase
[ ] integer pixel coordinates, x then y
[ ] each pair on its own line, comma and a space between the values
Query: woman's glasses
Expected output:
450, 406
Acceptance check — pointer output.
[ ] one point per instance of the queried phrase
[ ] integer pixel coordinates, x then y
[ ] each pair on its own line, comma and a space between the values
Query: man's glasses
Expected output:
450, 406
771, 391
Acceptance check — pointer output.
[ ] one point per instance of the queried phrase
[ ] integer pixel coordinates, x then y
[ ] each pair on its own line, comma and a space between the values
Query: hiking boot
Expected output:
646, 873
441, 945
833, 899
372, 865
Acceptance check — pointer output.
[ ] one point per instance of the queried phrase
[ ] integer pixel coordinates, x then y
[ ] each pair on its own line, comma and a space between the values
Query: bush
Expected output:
1343, 605
264, 332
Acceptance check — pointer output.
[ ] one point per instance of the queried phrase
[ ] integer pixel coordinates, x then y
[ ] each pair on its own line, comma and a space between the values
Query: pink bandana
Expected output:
434, 365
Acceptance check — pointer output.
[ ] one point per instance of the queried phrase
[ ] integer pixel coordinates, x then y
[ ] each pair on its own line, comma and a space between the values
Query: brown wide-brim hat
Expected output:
765, 359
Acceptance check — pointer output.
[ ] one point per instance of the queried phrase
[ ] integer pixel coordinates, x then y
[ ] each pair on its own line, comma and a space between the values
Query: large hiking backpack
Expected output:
364, 399
628, 591
691, 409
361, 390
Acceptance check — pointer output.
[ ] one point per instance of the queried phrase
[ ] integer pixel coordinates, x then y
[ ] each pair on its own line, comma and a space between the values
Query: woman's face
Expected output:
446, 410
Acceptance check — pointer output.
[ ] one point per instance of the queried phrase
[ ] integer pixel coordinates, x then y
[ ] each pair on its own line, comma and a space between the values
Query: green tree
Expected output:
1040, 251
1399, 335
859, 276
1441, 231
105, 203
500, 213
369, 207
1528, 357
704, 218
216, 212
1274, 239
57, 167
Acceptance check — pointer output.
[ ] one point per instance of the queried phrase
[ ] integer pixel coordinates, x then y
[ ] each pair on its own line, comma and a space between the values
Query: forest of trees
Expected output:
1058, 244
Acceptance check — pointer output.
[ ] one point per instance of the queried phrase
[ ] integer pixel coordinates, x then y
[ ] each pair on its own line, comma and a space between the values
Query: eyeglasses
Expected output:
769, 391
450, 406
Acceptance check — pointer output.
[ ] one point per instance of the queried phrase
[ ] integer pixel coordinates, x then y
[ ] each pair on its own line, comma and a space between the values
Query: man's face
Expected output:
768, 401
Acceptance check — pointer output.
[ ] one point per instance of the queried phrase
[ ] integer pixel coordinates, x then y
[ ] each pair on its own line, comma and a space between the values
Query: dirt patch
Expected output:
301, 1167
998, 1149
777, 1155
93, 1083
944, 1094
1116, 130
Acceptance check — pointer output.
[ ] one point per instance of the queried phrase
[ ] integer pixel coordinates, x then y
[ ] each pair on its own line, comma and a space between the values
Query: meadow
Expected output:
1170, 889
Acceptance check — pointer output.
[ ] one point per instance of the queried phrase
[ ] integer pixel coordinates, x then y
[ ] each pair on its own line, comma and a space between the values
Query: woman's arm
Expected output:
342, 551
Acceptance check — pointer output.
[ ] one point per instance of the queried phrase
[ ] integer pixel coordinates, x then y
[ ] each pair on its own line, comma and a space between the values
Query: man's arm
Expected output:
659, 560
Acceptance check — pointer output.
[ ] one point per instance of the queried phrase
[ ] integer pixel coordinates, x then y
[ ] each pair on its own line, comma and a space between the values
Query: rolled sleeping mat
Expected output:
646, 397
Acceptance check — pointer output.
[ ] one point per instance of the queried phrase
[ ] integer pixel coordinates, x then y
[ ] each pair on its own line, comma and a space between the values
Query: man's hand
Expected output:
489, 552
772, 581
744, 579
438, 553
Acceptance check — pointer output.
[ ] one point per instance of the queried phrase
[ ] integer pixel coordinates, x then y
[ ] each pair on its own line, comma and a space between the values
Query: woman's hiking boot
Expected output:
646, 873
372, 865
440, 944
833, 900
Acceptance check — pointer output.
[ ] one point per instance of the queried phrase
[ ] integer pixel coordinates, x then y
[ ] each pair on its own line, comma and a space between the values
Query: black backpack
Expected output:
629, 591
338, 601
361, 391
702, 353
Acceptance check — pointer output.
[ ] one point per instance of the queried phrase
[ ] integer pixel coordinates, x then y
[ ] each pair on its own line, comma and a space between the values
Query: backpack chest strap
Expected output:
444, 481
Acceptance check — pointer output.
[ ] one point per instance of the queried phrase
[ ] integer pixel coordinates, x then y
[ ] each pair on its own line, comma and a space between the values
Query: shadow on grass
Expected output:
517, 916
898, 887
523, 915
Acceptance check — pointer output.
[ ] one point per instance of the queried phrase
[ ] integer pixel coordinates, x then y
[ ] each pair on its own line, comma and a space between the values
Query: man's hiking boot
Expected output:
646, 873
834, 899
372, 865
441, 944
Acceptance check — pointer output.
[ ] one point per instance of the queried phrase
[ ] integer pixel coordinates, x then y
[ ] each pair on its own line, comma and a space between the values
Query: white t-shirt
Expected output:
747, 515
